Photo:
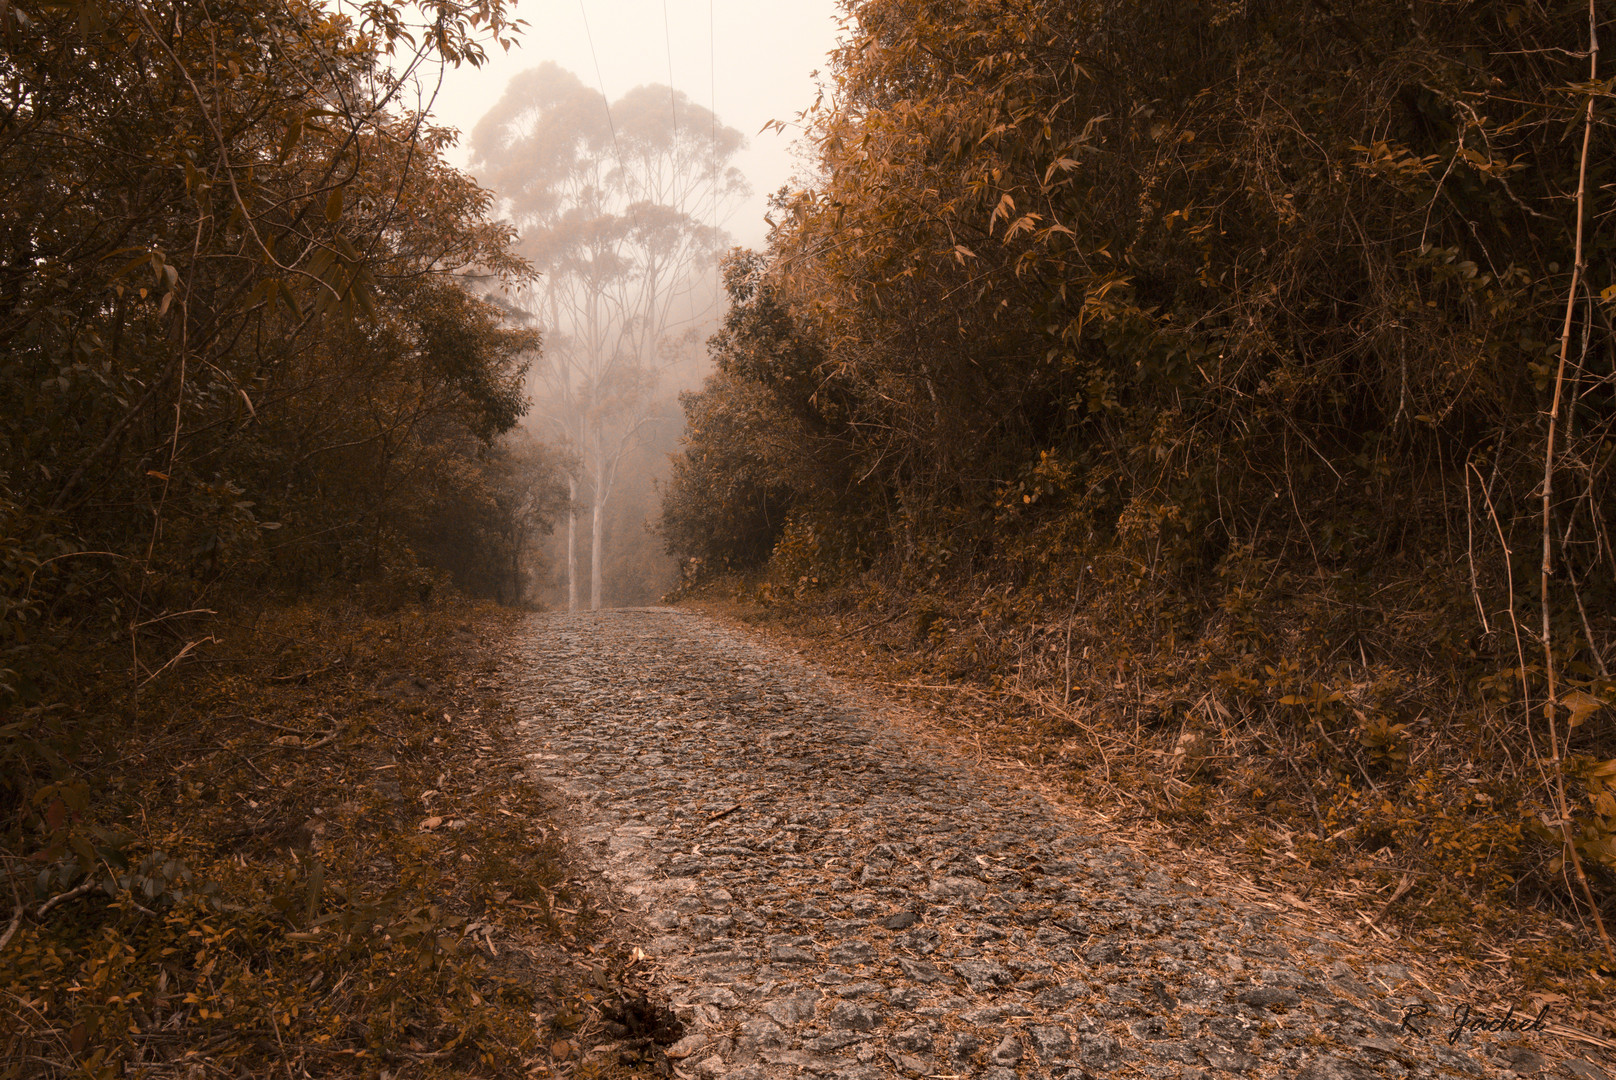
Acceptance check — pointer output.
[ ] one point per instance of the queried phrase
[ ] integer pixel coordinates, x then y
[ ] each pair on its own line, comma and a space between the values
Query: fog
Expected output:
750, 64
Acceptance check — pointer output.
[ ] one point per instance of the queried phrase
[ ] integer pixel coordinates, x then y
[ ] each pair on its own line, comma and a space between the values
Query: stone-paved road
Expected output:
826, 896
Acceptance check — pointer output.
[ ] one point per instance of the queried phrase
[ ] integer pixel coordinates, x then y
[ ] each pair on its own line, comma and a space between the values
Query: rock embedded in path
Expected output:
826, 897
903, 920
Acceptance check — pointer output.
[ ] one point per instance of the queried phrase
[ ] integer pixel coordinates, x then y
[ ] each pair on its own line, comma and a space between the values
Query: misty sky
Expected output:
756, 69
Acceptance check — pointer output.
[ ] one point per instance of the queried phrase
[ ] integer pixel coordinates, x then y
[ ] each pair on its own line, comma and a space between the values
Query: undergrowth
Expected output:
309, 850
1185, 382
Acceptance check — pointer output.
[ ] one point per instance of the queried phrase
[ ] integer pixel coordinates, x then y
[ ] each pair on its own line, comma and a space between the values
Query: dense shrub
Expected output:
238, 346
242, 358
1226, 334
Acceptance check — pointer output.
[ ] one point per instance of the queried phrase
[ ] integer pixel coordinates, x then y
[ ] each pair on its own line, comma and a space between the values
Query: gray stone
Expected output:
1583, 1070
1267, 996
1049, 1041
790, 954
1226, 1058
1456, 1059
919, 970
686, 1046
981, 975
1053, 997
1151, 1027
796, 1058
789, 1010
1105, 952
1523, 1059
1325, 1067
956, 887
721, 996
1099, 1051
1008, 1052
703, 927
1186, 1053
852, 952
963, 1045
1029, 965
1125, 994
762, 1033
910, 1064
854, 989
847, 1015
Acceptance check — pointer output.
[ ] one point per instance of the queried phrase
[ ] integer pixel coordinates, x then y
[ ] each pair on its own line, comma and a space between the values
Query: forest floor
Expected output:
315, 852
361, 839
832, 882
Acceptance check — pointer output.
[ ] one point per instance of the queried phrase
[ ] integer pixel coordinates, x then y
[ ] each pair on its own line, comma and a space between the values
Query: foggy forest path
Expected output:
825, 894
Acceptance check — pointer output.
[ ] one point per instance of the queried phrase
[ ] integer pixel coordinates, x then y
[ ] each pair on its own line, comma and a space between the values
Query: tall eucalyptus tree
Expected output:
620, 209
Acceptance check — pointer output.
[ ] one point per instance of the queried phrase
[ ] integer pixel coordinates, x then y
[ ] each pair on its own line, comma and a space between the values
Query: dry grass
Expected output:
325, 860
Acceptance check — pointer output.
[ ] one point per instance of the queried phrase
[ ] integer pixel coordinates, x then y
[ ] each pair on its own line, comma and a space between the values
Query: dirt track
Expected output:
823, 893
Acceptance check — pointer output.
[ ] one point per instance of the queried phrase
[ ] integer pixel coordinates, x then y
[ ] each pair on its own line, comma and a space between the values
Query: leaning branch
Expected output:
1562, 807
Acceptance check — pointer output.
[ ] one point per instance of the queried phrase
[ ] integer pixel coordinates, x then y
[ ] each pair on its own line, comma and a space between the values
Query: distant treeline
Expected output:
1227, 334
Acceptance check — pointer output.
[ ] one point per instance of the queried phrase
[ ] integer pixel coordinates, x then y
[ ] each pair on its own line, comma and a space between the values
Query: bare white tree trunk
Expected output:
594, 561
572, 544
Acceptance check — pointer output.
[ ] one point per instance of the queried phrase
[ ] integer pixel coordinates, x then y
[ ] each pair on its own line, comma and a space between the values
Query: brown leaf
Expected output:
1581, 705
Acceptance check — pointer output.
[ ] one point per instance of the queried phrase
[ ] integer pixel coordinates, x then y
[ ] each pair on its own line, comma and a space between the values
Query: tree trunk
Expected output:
572, 544
594, 555
516, 569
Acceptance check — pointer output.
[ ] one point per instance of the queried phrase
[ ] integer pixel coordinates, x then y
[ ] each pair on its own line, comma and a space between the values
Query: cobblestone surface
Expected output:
826, 895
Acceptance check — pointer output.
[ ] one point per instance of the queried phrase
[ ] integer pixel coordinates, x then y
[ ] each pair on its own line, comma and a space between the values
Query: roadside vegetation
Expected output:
258, 438
314, 853
1224, 394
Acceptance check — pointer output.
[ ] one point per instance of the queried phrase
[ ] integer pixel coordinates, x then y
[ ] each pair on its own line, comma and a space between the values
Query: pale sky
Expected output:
754, 67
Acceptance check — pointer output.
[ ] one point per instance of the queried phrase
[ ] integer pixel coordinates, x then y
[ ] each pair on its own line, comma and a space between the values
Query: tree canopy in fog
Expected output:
618, 207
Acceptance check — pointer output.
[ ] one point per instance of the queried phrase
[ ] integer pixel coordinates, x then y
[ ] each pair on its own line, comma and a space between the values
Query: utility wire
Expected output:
617, 151
611, 125
667, 44
712, 144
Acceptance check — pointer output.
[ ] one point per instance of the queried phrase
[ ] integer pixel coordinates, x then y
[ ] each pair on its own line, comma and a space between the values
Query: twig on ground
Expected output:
16, 915
88, 885
279, 727
1402, 890
868, 626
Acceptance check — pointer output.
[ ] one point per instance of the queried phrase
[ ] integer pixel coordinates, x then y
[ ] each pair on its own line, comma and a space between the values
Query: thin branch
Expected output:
1562, 808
